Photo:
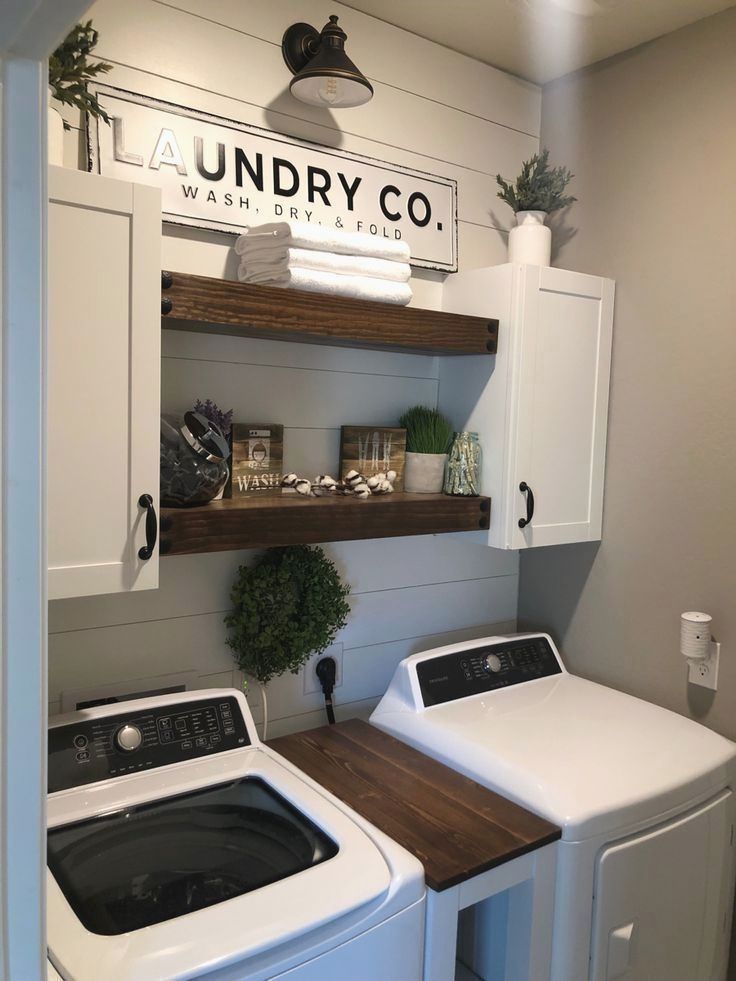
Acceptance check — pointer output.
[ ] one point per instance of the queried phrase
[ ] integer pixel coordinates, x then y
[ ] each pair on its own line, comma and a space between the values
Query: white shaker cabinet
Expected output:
540, 405
104, 315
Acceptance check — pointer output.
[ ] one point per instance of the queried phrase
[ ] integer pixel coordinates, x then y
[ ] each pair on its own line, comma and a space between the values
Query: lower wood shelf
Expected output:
293, 520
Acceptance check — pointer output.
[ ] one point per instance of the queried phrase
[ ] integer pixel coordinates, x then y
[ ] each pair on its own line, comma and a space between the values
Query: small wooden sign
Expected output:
373, 449
257, 460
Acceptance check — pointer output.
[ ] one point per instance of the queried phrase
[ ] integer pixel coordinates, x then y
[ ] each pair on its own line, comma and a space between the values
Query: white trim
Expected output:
29, 31
24, 630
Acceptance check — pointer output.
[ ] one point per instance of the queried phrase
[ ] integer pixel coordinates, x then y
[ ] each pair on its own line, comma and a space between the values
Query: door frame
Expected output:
29, 31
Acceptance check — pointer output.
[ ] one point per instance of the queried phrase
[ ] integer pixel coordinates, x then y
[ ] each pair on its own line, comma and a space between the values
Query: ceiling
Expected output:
539, 39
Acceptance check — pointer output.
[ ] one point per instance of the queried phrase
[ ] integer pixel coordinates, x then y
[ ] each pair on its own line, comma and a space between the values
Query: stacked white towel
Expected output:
325, 260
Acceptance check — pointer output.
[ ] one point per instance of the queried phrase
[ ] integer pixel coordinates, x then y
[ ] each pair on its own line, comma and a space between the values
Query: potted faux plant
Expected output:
539, 190
428, 436
69, 72
289, 604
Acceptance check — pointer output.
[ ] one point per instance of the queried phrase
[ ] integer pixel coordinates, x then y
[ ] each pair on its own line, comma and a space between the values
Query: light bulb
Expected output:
329, 91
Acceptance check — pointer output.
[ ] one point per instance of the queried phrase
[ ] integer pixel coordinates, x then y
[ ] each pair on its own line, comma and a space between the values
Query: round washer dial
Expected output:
128, 738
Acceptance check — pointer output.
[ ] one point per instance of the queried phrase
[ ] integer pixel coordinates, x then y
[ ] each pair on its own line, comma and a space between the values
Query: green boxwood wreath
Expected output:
289, 604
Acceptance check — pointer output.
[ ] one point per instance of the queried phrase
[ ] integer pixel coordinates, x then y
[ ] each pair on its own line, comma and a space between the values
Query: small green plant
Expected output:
427, 430
286, 606
538, 187
70, 70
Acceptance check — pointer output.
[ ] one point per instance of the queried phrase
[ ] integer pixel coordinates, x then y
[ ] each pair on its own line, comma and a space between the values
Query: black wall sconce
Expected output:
323, 74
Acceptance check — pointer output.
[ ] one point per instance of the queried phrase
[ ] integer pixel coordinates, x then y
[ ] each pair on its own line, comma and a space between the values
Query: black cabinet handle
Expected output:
526, 489
146, 551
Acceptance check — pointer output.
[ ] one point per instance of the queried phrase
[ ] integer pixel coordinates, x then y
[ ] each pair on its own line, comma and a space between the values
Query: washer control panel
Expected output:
475, 670
114, 745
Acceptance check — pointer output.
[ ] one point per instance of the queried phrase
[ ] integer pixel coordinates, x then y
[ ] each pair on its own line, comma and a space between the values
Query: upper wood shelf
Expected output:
219, 306
288, 519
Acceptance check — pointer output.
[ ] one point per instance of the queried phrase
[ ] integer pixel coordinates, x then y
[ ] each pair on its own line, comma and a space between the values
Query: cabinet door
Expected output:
559, 412
104, 298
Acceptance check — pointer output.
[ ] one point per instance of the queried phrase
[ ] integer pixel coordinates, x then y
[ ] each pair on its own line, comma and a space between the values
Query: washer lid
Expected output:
588, 758
334, 875
148, 863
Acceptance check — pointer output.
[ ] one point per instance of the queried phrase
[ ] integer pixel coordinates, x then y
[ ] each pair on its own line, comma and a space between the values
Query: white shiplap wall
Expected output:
434, 110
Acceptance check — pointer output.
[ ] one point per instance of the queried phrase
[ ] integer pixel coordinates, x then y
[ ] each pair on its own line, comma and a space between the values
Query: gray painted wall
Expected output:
651, 136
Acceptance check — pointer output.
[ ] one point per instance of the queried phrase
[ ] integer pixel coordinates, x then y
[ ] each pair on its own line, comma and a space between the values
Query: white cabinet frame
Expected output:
540, 405
130, 216
535, 284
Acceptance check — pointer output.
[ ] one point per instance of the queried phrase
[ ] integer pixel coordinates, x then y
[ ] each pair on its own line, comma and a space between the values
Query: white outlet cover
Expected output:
309, 671
705, 673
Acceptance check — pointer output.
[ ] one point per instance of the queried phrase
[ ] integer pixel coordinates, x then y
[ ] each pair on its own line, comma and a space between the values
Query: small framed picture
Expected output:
257, 460
373, 449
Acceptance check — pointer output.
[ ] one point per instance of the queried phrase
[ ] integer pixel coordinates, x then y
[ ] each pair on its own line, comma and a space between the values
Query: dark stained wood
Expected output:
218, 306
453, 825
261, 522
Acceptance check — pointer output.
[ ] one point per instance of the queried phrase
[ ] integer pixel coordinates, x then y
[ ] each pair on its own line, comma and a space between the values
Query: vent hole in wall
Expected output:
109, 693
127, 697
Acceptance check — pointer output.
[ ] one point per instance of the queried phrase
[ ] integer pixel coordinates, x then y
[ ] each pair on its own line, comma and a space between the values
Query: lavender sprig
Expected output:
210, 410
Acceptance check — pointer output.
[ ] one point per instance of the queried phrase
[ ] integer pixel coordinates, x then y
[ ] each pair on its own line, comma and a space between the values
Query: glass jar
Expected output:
193, 460
462, 475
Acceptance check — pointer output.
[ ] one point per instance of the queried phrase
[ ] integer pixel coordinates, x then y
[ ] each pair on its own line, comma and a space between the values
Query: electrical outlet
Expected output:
309, 671
705, 672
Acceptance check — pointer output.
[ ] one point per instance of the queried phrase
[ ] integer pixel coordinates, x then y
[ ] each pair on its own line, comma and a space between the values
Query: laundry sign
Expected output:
225, 175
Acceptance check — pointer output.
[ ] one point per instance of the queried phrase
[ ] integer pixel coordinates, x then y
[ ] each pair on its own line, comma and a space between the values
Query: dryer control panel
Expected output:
475, 670
114, 745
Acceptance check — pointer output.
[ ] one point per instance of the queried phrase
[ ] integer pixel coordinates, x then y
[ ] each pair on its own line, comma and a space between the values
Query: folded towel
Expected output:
302, 235
316, 281
280, 259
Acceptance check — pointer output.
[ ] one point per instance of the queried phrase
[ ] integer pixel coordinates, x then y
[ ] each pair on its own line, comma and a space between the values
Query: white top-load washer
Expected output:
179, 846
645, 871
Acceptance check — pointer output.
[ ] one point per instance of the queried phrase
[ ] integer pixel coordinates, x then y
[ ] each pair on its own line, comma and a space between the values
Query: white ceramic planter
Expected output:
531, 240
424, 473
56, 134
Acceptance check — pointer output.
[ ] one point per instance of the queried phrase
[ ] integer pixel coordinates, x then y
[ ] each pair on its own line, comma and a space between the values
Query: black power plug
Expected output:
327, 672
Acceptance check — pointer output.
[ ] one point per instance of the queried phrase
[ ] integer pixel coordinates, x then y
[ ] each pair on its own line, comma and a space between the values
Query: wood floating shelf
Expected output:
219, 306
293, 520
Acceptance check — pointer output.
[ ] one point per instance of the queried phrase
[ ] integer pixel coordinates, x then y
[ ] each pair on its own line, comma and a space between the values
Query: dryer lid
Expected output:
589, 758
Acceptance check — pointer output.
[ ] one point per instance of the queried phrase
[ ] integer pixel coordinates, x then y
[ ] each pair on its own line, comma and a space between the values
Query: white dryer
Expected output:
645, 870
179, 846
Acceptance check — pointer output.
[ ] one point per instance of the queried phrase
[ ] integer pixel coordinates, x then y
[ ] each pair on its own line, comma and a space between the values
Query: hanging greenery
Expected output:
287, 606
70, 71
538, 187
